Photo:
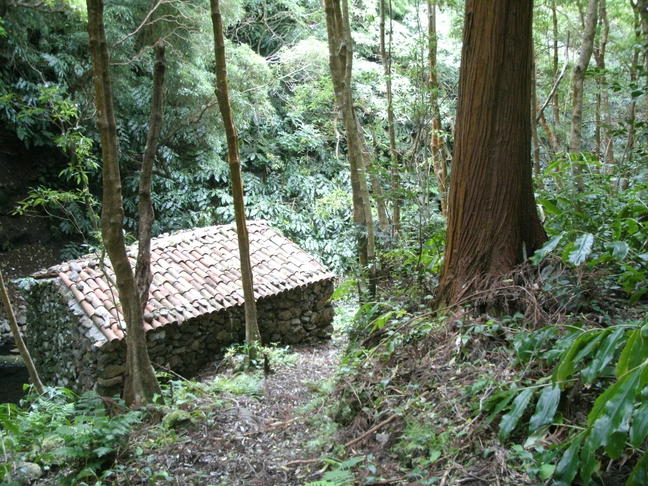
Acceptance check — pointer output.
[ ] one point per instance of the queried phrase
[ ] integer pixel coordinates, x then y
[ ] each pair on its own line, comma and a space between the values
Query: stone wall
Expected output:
62, 355
302, 315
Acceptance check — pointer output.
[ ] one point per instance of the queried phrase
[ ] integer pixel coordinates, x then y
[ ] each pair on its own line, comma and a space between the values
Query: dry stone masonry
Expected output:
75, 328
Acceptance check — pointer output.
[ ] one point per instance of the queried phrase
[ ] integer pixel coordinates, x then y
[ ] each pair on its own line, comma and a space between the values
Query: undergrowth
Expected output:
552, 391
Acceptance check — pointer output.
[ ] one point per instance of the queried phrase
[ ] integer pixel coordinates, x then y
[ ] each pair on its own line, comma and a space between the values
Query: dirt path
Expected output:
248, 440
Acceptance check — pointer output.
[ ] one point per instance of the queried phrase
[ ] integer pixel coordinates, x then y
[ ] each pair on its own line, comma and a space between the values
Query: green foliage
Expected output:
63, 429
341, 473
612, 360
599, 227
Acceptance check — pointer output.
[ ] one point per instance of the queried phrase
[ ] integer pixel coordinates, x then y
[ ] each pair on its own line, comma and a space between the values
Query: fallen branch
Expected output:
371, 430
360, 438
387, 481
304, 461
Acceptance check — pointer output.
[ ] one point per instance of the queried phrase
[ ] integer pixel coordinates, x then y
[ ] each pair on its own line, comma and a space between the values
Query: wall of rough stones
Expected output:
302, 315
62, 355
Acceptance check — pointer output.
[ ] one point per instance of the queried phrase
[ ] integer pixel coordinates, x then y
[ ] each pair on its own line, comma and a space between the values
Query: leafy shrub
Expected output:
60, 428
614, 362
600, 226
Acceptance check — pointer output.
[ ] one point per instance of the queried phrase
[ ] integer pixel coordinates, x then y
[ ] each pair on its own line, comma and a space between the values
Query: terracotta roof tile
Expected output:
195, 272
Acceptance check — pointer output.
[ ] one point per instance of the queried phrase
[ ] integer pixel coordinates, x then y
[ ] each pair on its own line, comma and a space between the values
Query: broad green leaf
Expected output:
566, 365
502, 403
619, 249
510, 420
639, 475
582, 249
604, 355
548, 247
546, 471
633, 354
588, 462
639, 428
592, 345
611, 414
545, 408
568, 465
549, 206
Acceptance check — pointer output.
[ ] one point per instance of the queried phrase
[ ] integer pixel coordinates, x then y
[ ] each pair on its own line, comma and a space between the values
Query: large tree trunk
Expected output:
341, 61
252, 334
140, 384
436, 142
578, 76
385, 56
143, 275
20, 344
493, 224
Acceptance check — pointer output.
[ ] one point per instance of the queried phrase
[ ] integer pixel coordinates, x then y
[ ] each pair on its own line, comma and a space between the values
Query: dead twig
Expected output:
362, 437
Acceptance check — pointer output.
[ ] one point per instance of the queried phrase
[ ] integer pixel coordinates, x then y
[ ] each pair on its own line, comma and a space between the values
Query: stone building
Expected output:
75, 328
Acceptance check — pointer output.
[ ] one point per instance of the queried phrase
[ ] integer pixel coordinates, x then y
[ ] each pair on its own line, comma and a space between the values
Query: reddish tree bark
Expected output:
493, 224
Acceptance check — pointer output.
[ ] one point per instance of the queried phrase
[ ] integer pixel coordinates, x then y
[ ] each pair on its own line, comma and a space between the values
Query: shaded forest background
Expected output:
292, 147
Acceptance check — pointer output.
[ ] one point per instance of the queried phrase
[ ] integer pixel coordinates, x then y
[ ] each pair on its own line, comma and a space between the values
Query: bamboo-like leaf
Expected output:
604, 355
639, 428
633, 354
548, 247
566, 365
545, 408
619, 249
582, 249
588, 461
510, 420
639, 475
611, 413
568, 465
504, 399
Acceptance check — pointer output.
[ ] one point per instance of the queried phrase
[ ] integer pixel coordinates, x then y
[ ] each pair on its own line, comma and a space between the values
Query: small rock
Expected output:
25, 473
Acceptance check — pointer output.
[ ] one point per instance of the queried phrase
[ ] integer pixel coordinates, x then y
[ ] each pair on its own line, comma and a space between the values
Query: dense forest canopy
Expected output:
291, 141
375, 134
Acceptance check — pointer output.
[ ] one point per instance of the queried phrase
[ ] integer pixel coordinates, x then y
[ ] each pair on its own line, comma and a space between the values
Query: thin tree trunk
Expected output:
252, 334
554, 24
436, 142
385, 56
140, 384
578, 77
143, 275
632, 109
553, 140
605, 139
20, 344
641, 7
534, 124
341, 61
493, 223
379, 195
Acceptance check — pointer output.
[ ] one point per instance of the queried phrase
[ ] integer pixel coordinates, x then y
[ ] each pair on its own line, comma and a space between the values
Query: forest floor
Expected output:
256, 432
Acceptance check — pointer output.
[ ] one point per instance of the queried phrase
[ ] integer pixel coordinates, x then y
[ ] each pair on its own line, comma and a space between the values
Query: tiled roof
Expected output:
195, 272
